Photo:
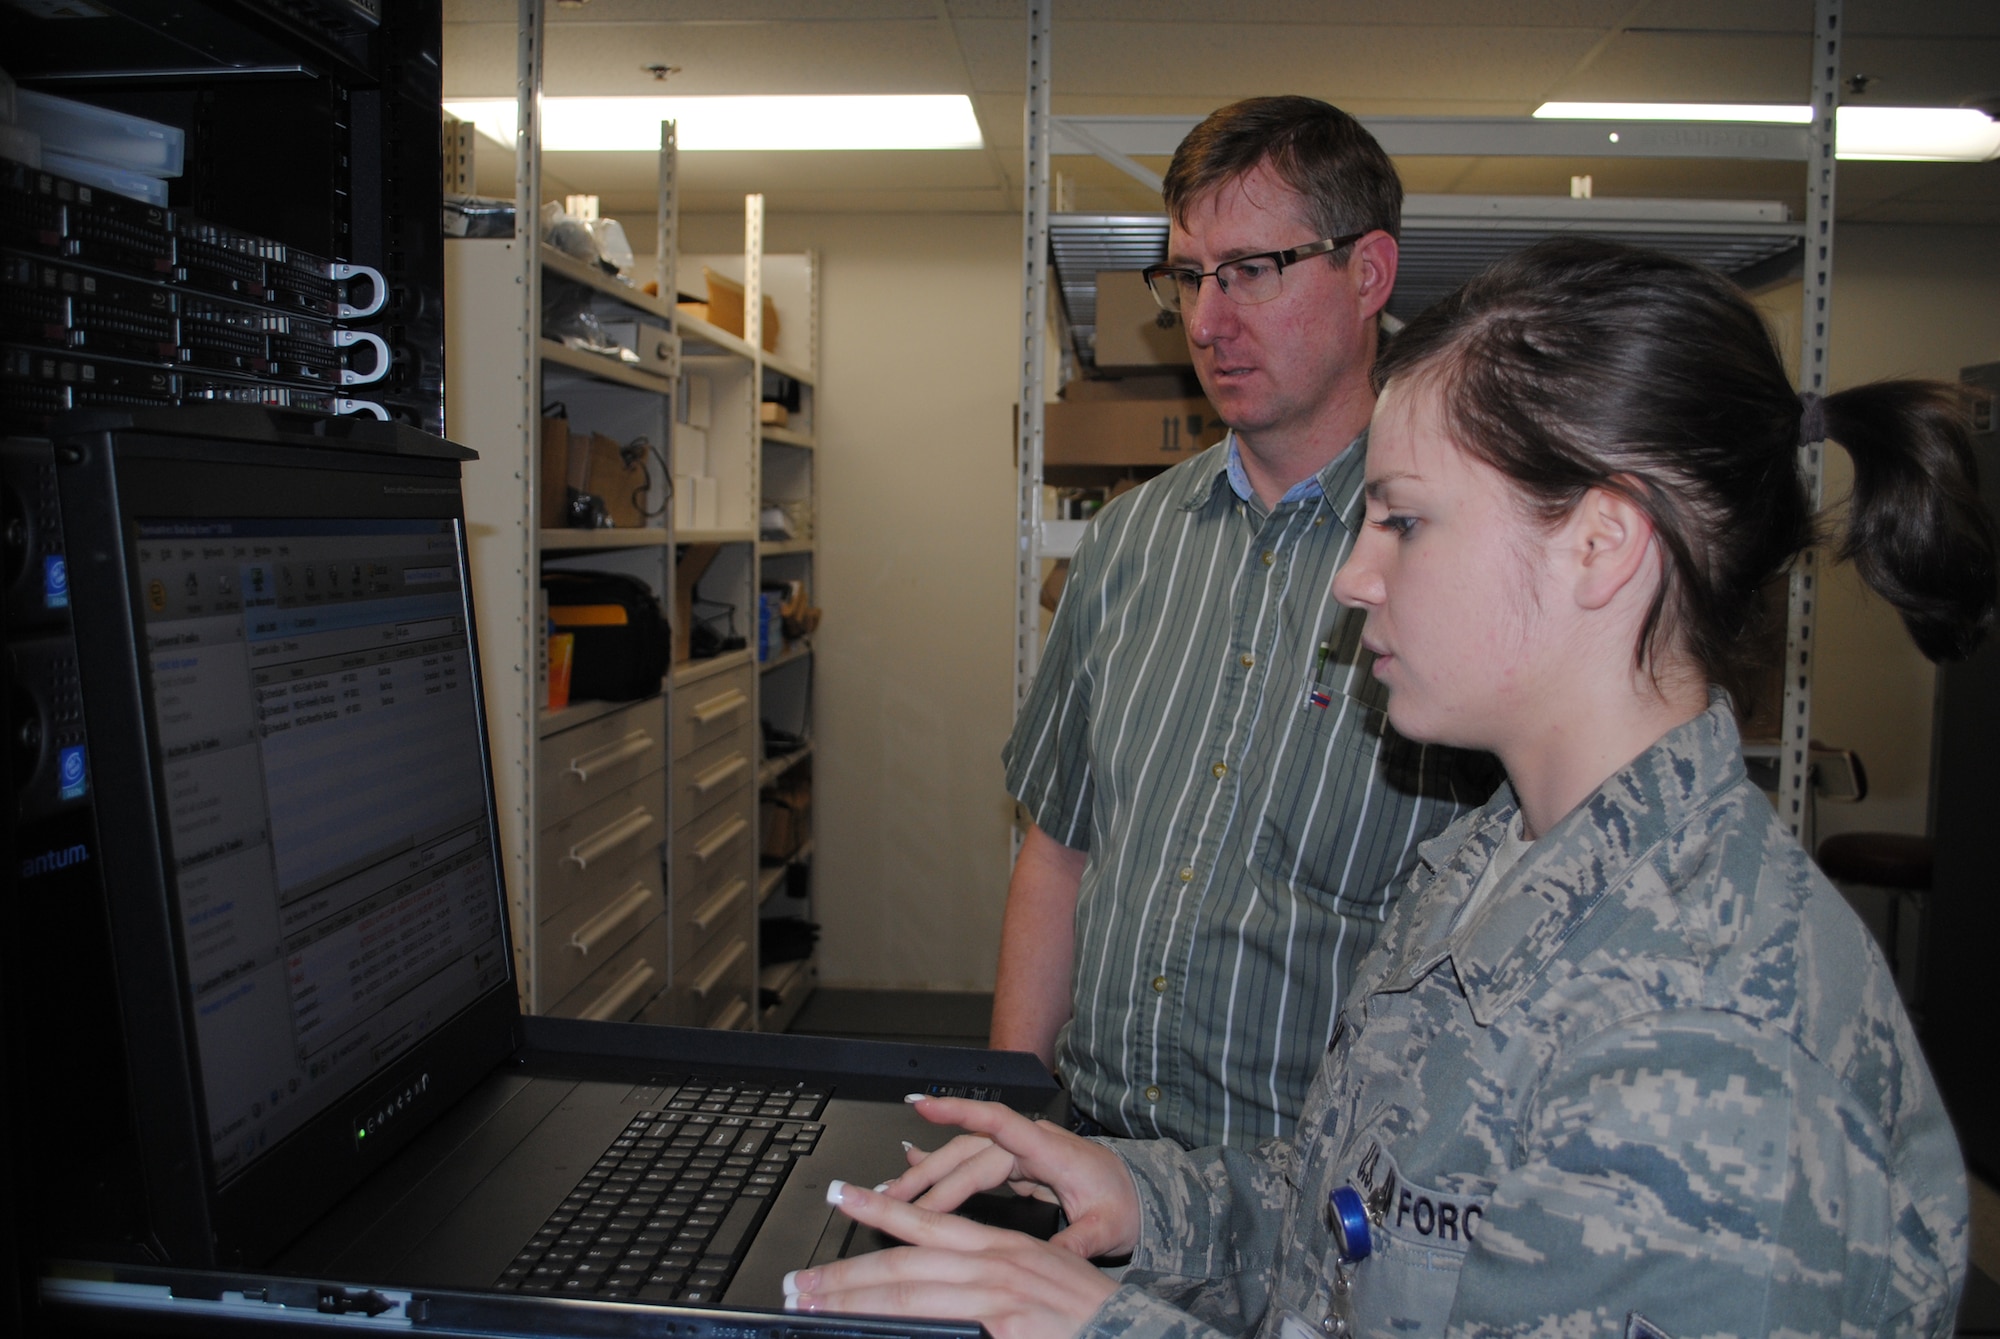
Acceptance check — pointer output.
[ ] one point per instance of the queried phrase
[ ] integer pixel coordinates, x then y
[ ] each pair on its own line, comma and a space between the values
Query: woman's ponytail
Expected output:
1917, 531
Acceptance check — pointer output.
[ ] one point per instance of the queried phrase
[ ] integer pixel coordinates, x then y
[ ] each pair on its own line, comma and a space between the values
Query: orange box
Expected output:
562, 654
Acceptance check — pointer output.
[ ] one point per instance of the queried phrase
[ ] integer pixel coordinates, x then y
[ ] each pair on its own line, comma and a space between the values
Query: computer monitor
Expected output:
284, 717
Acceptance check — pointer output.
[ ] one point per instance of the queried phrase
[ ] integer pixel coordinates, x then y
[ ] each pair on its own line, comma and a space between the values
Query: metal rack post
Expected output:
1795, 729
1034, 352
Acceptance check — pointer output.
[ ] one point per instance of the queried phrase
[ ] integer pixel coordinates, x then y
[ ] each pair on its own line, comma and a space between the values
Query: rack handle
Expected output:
614, 1002
727, 1020
342, 271
599, 927
347, 339
608, 839
585, 765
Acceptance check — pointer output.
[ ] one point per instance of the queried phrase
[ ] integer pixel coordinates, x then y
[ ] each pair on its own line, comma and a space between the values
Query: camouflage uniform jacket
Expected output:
1659, 1084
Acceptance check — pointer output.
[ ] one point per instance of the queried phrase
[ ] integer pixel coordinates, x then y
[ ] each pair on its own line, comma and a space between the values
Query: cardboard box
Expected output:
1129, 432
772, 414
725, 308
623, 488
1132, 332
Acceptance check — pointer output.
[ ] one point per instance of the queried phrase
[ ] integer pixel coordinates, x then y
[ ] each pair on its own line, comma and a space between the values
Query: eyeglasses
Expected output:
1247, 280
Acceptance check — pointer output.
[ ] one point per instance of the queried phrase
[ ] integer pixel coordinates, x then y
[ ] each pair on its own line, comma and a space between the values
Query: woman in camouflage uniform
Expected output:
1622, 1062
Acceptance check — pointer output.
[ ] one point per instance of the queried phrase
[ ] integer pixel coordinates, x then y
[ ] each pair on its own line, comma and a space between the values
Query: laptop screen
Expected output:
326, 814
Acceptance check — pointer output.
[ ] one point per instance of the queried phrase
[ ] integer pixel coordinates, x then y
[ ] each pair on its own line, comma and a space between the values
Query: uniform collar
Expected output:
1213, 472
1602, 849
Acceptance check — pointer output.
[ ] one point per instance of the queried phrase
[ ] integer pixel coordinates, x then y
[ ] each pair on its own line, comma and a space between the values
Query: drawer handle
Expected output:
722, 704
713, 976
721, 772
617, 1001
717, 840
712, 910
599, 927
586, 765
606, 840
727, 1020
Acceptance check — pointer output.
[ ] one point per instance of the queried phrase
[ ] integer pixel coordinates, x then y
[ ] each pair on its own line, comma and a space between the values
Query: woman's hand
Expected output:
1019, 1288
1031, 1158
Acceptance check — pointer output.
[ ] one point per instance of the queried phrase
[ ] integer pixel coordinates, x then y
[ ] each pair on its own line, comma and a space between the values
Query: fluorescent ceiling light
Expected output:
1894, 134
1916, 134
1673, 111
713, 124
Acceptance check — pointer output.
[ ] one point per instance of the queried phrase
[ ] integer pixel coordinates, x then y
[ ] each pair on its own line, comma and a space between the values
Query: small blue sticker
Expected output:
70, 772
55, 582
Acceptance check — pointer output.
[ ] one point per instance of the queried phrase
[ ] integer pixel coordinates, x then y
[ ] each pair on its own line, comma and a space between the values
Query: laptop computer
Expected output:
328, 1074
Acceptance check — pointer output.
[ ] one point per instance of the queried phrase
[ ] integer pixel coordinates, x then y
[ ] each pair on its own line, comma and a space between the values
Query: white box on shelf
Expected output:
707, 503
697, 401
683, 502
690, 449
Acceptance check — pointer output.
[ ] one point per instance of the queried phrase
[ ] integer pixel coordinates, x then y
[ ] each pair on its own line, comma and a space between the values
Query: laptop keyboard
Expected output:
670, 1209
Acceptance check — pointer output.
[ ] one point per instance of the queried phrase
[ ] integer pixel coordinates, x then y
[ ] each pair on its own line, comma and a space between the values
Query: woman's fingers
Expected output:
1021, 1288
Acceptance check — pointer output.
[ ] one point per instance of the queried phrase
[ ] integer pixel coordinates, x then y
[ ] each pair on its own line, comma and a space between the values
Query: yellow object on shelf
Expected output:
562, 653
725, 308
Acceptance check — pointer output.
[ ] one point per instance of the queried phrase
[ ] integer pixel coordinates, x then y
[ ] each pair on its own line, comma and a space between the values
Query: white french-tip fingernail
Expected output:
914, 1098
884, 1186
791, 1301
909, 1147
790, 1284
835, 1191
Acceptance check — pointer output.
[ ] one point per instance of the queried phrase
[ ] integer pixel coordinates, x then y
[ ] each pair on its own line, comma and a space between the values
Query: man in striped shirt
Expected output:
1220, 811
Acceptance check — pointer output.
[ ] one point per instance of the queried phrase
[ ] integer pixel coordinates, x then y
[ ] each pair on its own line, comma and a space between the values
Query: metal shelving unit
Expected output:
1446, 241
631, 828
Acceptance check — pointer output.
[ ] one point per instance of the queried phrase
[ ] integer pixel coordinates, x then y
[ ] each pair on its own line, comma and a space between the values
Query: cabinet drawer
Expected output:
712, 773
725, 838
580, 858
579, 767
590, 930
723, 906
622, 987
710, 708
715, 989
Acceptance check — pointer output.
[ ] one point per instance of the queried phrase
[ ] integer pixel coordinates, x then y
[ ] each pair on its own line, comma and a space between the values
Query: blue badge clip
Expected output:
1347, 1215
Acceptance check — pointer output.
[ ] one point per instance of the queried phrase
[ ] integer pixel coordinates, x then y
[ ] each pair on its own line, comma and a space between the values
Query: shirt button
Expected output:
1269, 557
1187, 874
1247, 659
1159, 985
1152, 1094
1221, 770
1319, 520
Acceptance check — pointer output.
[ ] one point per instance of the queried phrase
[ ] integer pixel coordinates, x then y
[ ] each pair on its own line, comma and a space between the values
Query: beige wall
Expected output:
1907, 301
919, 320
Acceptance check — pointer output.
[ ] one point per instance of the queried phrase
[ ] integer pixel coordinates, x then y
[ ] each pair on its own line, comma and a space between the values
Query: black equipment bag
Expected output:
622, 639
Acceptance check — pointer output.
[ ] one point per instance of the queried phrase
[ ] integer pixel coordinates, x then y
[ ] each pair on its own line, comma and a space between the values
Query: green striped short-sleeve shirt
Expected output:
1205, 726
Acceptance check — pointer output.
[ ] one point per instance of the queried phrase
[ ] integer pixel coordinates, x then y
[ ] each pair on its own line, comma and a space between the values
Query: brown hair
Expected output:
1348, 183
1579, 364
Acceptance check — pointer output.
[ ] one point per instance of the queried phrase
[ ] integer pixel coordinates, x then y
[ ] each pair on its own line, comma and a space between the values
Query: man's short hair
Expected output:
1348, 183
